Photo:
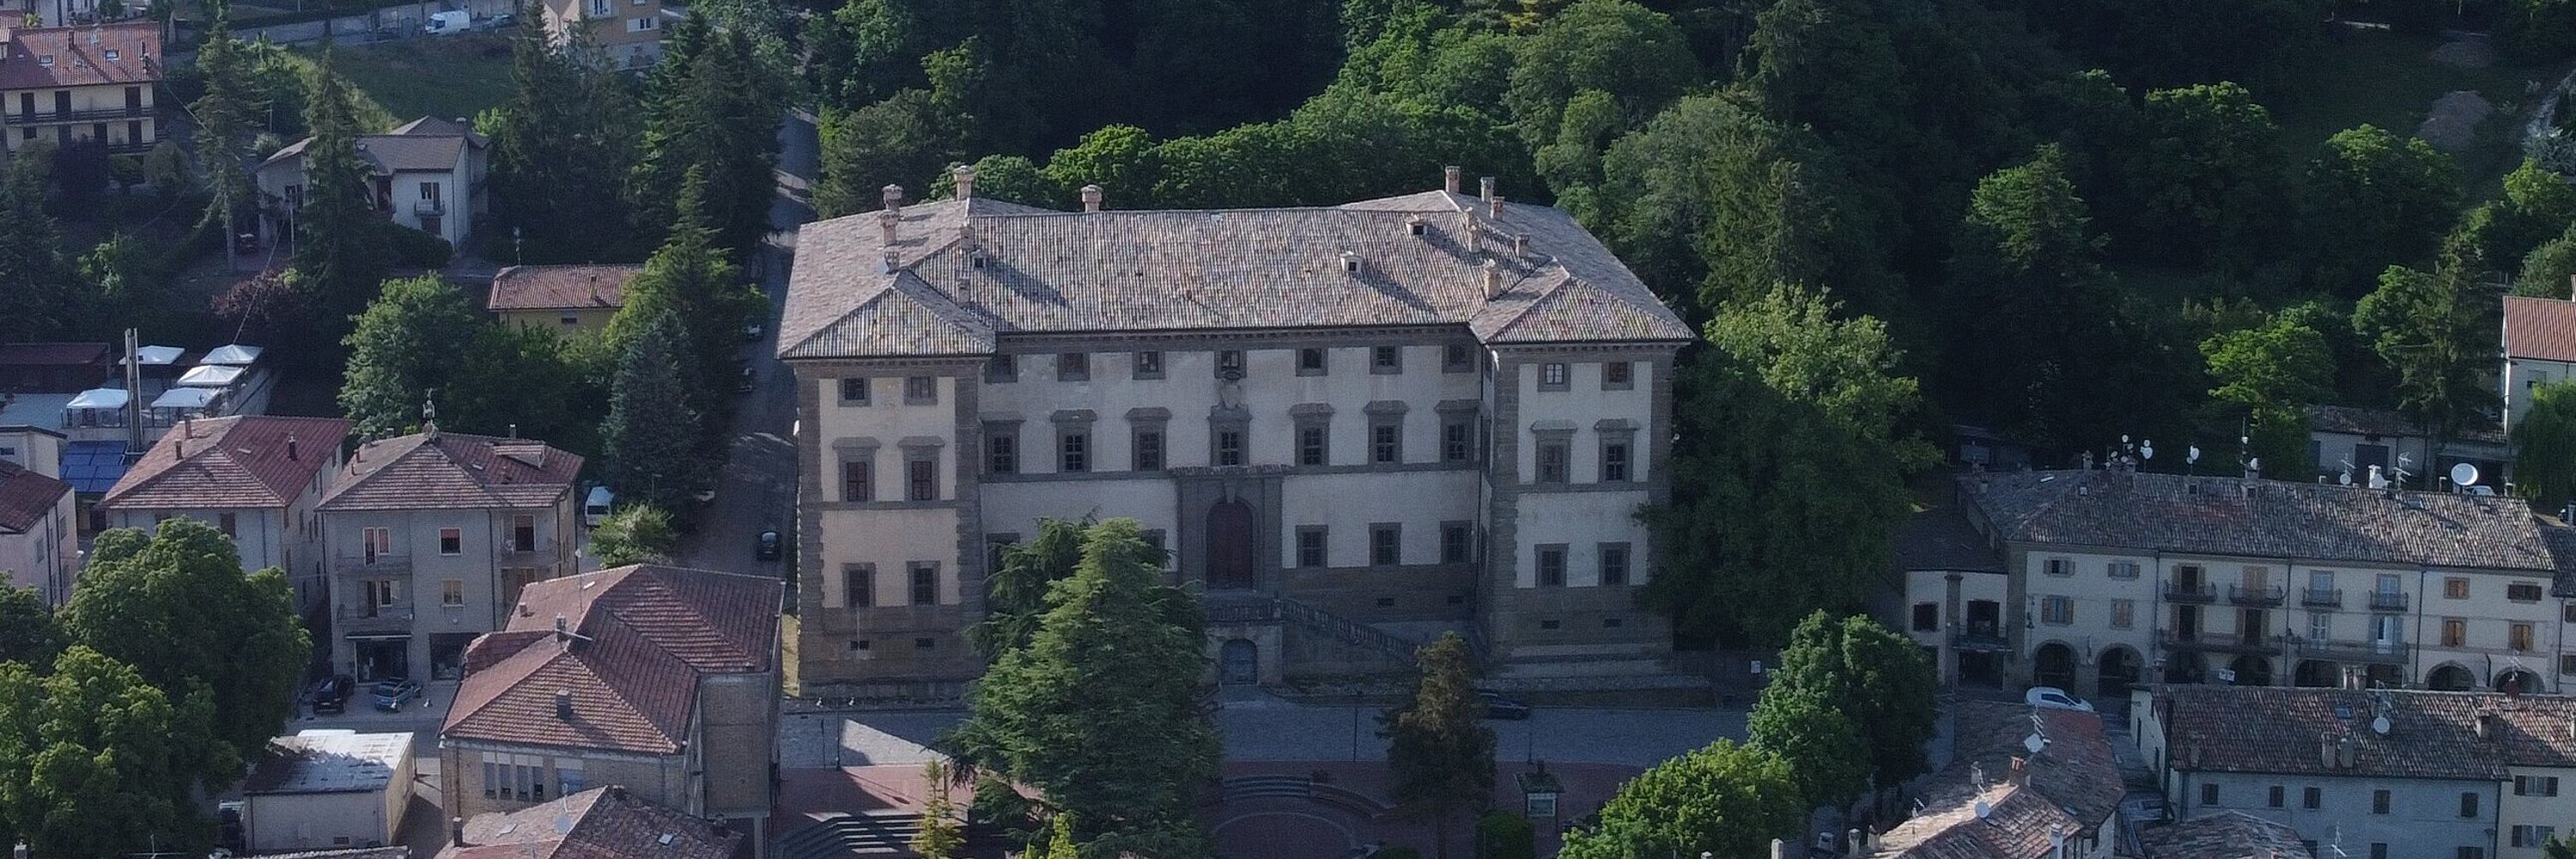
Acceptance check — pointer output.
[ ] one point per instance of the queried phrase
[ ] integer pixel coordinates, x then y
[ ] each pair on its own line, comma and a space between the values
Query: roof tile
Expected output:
236, 461
450, 471
2542, 328
2431, 735
25, 497
599, 823
2269, 518
561, 287
52, 57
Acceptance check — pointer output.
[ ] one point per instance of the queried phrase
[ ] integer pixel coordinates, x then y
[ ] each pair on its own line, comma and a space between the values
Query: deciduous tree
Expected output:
2269, 375
562, 149
2374, 200
95, 761
2437, 330
2544, 446
27, 634
1817, 740
1440, 755
2212, 174
634, 534
2549, 271
407, 343
1725, 799
1873, 675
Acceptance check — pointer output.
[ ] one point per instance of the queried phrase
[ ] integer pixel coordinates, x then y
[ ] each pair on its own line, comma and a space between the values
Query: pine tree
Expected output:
340, 258
1440, 755
690, 281
561, 151
223, 124
651, 437
43, 301
940, 836
709, 108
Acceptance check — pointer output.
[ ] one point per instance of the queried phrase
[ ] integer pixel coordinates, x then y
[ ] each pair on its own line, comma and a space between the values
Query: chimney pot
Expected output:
1858, 839
965, 179
1520, 246
1449, 178
2020, 771
1494, 207
893, 197
1493, 279
290, 446
456, 832
1091, 198
563, 704
1779, 849
888, 219
1485, 187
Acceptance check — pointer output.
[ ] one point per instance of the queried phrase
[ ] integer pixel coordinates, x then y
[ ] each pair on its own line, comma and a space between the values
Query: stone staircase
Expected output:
1347, 631
844, 835
1251, 787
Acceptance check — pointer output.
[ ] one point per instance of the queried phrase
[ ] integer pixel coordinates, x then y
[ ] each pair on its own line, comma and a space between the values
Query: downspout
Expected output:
2415, 659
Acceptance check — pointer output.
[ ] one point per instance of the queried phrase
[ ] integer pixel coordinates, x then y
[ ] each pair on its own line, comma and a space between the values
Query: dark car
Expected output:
331, 694
395, 694
1499, 707
765, 547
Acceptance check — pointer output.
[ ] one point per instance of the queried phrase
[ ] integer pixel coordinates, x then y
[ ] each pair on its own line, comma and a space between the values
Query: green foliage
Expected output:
2264, 43
2211, 176
1817, 740
941, 835
412, 248
1504, 835
1101, 711
651, 437
1874, 676
95, 761
177, 607
890, 142
2270, 374
2437, 330
1725, 799
2544, 446
27, 634
404, 346
2374, 200
1440, 755
2549, 271
1018, 588
1060, 838
339, 258
634, 534
561, 151
223, 122
711, 111
2538, 205
1620, 61
690, 283
530, 382
44, 297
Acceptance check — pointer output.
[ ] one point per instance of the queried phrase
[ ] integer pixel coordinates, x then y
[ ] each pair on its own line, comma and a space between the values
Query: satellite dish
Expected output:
2193, 455
2464, 474
2034, 743
2345, 477
2147, 448
2379, 724
1985, 809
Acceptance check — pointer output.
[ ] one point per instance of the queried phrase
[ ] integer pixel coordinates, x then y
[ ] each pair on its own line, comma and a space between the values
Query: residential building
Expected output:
432, 535
92, 82
601, 822
1366, 422
2363, 438
1960, 588
326, 789
39, 546
53, 367
426, 174
257, 478
625, 34
2002, 797
2224, 835
2110, 574
661, 679
36, 449
2378, 773
570, 298
2539, 347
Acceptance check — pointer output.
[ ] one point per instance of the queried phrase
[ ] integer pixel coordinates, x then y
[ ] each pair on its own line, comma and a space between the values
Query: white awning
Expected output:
186, 398
154, 356
233, 354
98, 398
210, 376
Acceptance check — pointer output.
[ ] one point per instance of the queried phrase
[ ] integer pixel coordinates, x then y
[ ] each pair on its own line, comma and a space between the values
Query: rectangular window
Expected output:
1229, 447
859, 585
858, 481
2311, 798
1229, 364
229, 522
2379, 802
2124, 614
1073, 449
451, 541
1551, 376
2057, 610
1457, 542
1614, 564
1149, 365
1311, 361
1385, 360
1386, 544
2124, 569
2455, 588
1457, 358
1149, 450
2276, 797
1073, 367
1310, 445
379, 542
451, 593
2533, 836
1614, 462
1551, 566
1551, 462
1310, 546
2320, 625
2378, 850
568, 776
1001, 450
2059, 567
2455, 632
2518, 637
1003, 369
1927, 617
1386, 444
2472, 853
1615, 376
920, 390
2522, 592
921, 479
925, 583
2208, 795
1457, 441
2468, 804
854, 391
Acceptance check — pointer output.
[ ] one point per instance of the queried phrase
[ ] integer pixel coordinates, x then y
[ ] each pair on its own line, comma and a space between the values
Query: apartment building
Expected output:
2539, 347
257, 478
426, 174
660, 679
2376, 773
2023, 783
564, 298
430, 538
38, 546
625, 34
91, 82
2112, 576
1960, 586
1395, 416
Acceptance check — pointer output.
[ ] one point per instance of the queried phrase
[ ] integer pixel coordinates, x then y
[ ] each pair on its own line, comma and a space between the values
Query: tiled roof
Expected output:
51, 354
2542, 328
422, 145
553, 287
599, 823
25, 497
2225, 835
2265, 518
2433, 735
639, 639
965, 271
237, 461
2354, 420
452, 471
2069, 787
1942, 539
396, 851
52, 57
2562, 546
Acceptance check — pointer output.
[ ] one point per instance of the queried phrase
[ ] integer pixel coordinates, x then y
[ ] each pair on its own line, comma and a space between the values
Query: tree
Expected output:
2028, 308
1101, 711
1440, 755
404, 347
2544, 446
890, 142
1817, 740
176, 605
2374, 200
27, 634
223, 121
2437, 330
562, 149
713, 110
95, 761
1619, 59
2538, 204
651, 438
690, 282
2271, 374
45, 300
634, 534
2211, 176
1060, 838
941, 835
339, 257
1873, 675
1725, 799
528, 381
2549, 271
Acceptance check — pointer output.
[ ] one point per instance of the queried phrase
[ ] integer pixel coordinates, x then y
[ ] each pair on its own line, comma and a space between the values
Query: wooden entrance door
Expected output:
1229, 545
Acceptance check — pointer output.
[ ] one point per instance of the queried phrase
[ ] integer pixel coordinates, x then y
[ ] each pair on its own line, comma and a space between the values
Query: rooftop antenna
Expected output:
2346, 478
2190, 458
2463, 476
2399, 478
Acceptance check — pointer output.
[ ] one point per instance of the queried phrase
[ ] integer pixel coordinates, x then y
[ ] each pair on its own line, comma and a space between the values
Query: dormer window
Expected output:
111, 53
46, 60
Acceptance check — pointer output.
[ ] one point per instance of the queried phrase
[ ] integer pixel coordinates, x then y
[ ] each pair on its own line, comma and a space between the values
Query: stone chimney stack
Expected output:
1494, 207
1091, 198
456, 832
290, 447
965, 179
1493, 274
1449, 177
1779, 849
889, 219
563, 704
1485, 188
893, 197
2020, 772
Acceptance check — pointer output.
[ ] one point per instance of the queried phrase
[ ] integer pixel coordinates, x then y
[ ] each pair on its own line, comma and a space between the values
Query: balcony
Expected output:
532, 553
2256, 595
1983, 640
373, 564
429, 207
57, 117
2321, 597
359, 619
2387, 601
2385, 652
2225, 642
2181, 592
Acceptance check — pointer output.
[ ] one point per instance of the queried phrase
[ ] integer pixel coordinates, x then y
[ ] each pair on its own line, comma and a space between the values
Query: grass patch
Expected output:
450, 77
2389, 80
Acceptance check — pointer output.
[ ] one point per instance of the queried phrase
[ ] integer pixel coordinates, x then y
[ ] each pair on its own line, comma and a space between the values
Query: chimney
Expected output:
964, 176
893, 197
2486, 725
563, 704
1494, 207
563, 634
1449, 178
2020, 774
1091, 198
2328, 754
1520, 246
888, 219
1468, 237
1779, 849
1493, 279
1858, 838
456, 832
514, 430
290, 447
1485, 188
2347, 753
720, 826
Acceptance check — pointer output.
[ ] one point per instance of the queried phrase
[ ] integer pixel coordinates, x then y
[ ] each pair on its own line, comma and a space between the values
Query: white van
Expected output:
448, 23
596, 506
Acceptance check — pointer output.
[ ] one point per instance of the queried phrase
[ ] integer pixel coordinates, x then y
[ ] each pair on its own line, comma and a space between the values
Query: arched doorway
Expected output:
1238, 662
1229, 546
2120, 667
2185, 667
2450, 678
2053, 665
2317, 674
2516, 681
2251, 670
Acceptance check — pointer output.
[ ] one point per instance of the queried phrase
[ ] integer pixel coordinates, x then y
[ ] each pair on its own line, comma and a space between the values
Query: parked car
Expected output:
1499, 707
765, 547
331, 694
2053, 698
448, 23
396, 694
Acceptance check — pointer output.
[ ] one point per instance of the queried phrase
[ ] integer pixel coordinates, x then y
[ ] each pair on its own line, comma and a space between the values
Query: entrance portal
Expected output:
1229, 546
2053, 665
1239, 663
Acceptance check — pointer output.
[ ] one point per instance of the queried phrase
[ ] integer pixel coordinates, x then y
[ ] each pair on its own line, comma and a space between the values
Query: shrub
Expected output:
416, 249
1504, 835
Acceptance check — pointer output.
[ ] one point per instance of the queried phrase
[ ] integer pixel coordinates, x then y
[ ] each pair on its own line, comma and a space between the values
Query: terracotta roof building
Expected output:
431, 537
2225, 835
52, 367
2539, 347
254, 477
2000, 800
427, 174
1302, 401
664, 679
38, 538
562, 297
608, 822
67, 84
